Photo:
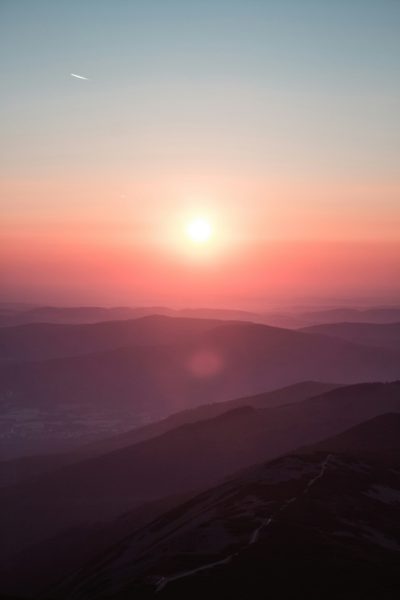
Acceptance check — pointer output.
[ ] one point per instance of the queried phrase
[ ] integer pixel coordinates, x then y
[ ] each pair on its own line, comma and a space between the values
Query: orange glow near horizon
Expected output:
215, 152
257, 240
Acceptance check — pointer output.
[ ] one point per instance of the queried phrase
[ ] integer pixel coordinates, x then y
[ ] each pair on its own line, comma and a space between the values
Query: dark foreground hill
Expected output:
184, 459
314, 525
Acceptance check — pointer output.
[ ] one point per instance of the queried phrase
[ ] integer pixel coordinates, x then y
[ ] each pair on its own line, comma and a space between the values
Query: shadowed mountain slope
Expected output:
330, 520
186, 458
41, 341
15, 470
223, 362
169, 366
385, 335
287, 395
377, 438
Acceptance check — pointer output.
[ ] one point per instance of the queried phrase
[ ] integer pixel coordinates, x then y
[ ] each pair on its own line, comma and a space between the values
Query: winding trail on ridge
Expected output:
163, 581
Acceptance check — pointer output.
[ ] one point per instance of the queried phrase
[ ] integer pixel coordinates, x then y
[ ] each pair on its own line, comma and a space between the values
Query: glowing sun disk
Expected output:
199, 231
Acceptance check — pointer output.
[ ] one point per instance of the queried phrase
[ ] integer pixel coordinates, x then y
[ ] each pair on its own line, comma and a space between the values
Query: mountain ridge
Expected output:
182, 460
339, 513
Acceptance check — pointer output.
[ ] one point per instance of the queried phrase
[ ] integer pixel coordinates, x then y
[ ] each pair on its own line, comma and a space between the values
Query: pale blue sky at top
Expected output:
241, 82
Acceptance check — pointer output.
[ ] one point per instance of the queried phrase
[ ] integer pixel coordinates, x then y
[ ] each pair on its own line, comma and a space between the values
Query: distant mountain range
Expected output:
353, 315
18, 314
42, 341
385, 335
79, 315
154, 366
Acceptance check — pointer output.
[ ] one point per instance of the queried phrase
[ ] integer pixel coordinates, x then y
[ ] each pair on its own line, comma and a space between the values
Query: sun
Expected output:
199, 230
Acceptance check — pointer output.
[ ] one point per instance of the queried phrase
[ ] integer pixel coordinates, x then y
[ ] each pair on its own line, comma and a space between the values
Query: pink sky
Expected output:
101, 242
277, 123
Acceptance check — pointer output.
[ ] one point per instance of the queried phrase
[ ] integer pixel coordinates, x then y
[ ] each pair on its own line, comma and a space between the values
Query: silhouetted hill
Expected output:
385, 335
352, 315
293, 393
76, 314
40, 341
291, 318
147, 381
221, 362
317, 525
31, 572
377, 438
186, 458
19, 469
10, 315
241, 507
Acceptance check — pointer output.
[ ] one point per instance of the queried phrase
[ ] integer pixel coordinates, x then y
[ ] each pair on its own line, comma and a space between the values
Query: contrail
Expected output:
79, 76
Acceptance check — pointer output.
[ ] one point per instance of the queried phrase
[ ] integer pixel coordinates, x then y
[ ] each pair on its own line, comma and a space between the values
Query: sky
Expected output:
275, 121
